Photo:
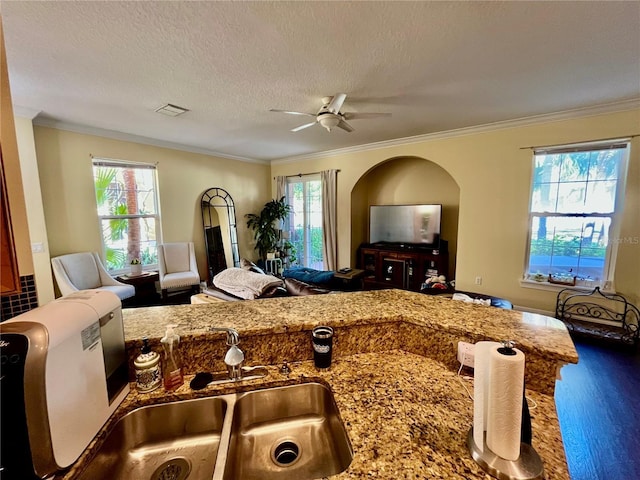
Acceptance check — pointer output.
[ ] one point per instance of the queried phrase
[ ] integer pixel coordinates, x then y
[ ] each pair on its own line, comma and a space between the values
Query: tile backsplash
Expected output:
14, 305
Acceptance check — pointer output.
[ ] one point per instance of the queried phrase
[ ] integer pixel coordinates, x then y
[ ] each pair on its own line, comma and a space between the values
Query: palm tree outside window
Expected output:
127, 206
573, 219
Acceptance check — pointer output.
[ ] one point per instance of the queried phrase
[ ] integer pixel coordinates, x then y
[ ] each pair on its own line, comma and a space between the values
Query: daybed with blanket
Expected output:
250, 283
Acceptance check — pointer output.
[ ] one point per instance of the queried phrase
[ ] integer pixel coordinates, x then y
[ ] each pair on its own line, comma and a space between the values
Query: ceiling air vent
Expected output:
171, 110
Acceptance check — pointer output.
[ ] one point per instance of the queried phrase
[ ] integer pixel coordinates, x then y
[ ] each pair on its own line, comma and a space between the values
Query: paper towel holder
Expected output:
527, 467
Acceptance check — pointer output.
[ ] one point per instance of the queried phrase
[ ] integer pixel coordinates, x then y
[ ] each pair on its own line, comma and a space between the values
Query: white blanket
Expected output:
468, 299
244, 283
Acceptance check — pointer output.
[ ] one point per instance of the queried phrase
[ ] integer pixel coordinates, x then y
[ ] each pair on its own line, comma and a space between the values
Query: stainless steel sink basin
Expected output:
292, 432
172, 441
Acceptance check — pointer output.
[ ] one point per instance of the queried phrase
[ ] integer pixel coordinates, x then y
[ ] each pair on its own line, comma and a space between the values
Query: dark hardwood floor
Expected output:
182, 297
598, 404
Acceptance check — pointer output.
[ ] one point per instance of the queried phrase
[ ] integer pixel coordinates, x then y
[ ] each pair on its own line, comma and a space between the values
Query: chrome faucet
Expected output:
234, 357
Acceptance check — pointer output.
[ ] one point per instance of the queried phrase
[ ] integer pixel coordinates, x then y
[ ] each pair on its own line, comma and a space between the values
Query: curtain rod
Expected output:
121, 162
301, 174
584, 142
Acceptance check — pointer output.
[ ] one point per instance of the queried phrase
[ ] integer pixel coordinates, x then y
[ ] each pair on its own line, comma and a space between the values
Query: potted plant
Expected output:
266, 233
136, 267
288, 253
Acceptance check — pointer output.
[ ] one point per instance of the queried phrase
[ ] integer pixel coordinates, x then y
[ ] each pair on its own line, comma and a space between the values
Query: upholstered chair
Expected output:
177, 266
84, 271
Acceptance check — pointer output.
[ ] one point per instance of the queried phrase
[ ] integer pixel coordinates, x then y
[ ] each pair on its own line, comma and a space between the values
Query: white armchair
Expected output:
84, 271
177, 266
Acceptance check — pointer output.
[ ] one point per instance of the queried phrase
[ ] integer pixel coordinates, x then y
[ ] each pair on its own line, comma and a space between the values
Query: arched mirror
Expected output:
220, 233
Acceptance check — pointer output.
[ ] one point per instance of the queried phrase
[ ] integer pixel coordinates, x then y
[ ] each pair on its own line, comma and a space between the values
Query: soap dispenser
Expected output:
147, 366
172, 365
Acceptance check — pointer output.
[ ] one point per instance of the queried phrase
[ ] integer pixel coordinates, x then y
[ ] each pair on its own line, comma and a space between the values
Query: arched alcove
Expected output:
400, 181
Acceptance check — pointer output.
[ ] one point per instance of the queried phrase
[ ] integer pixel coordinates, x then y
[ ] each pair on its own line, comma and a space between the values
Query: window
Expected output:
575, 200
126, 196
304, 195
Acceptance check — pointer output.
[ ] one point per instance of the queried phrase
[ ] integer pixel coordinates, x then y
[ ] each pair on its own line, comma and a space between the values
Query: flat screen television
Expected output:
405, 224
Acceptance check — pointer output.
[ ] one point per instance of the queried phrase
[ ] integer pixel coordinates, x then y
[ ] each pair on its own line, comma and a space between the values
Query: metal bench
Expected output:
597, 314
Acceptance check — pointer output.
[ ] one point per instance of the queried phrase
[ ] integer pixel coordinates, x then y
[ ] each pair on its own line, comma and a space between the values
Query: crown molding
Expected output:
127, 137
25, 112
613, 107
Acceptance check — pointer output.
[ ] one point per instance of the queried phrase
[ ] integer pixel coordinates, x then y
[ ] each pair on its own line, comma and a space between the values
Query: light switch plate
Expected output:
466, 353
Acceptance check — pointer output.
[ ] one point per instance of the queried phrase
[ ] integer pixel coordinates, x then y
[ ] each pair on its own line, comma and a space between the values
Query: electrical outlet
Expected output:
466, 353
478, 280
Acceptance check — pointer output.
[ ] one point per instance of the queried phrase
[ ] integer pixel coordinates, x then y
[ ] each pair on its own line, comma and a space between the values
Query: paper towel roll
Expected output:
504, 412
481, 357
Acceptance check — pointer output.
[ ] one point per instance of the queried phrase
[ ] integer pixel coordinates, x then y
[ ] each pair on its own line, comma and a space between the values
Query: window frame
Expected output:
304, 179
607, 283
124, 164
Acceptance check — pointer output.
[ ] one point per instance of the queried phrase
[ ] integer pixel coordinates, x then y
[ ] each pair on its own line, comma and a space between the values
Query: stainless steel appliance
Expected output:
63, 374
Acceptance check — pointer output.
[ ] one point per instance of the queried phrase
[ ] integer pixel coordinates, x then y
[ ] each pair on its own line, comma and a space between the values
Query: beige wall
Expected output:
64, 161
491, 170
493, 173
406, 181
35, 211
13, 175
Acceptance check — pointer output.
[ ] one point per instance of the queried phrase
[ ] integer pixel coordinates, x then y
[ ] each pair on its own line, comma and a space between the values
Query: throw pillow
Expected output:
249, 265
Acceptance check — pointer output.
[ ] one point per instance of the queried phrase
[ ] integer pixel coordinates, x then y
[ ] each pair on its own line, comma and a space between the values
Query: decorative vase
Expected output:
136, 269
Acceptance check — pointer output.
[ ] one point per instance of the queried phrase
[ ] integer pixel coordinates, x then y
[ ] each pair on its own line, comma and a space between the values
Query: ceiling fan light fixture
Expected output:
329, 121
330, 115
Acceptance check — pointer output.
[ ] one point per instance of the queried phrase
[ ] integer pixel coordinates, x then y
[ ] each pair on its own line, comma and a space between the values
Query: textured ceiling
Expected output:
435, 66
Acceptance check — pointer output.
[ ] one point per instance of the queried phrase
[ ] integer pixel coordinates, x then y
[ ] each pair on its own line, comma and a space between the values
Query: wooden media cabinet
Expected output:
401, 266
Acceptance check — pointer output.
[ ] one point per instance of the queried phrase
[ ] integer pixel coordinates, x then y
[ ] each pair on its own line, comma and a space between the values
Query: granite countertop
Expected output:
394, 374
534, 333
406, 416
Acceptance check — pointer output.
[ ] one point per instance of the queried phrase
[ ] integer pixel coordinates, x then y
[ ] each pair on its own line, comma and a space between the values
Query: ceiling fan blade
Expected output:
293, 113
356, 116
345, 126
302, 127
336, 102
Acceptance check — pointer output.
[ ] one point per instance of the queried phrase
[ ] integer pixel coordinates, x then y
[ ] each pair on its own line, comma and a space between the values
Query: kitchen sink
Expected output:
171, 441
287, 432
291, 432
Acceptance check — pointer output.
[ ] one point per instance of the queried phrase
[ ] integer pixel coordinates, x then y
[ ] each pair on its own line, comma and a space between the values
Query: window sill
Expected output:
554, 287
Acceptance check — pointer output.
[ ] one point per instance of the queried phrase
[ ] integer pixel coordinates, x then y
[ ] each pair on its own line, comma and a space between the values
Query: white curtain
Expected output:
329, 219
281, 191
281, 187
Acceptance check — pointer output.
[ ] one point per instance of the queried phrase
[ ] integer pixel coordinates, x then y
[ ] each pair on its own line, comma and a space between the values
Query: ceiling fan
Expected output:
330, 116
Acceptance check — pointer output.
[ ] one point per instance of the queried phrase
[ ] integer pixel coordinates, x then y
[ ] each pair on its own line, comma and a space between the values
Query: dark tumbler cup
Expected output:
322, 340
